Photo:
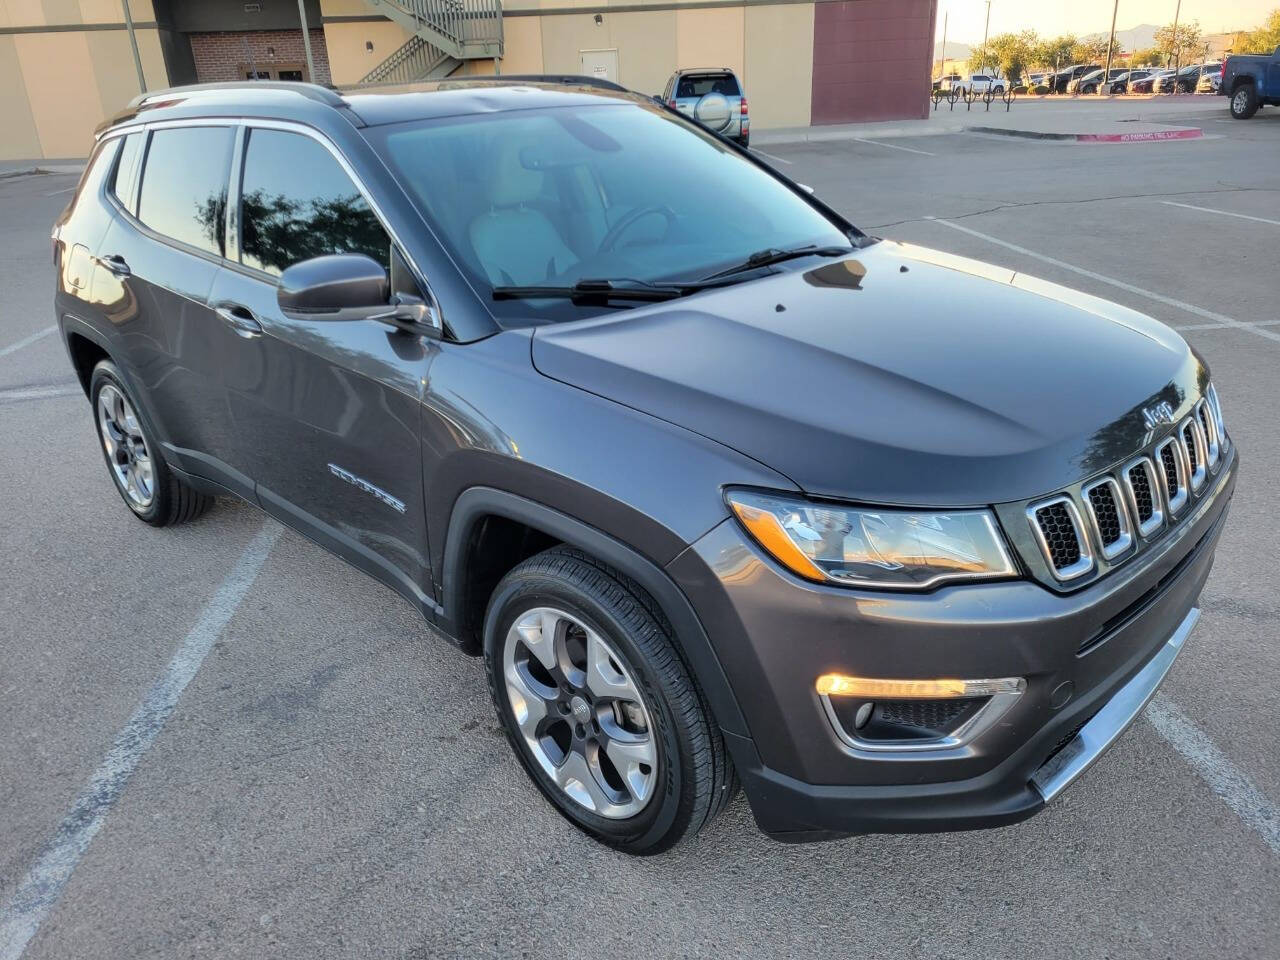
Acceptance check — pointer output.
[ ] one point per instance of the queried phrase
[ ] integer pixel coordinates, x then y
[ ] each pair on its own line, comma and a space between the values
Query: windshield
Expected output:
615, 191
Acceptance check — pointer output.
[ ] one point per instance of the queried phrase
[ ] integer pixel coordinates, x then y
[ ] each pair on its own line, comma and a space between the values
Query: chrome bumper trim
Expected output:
1113, 719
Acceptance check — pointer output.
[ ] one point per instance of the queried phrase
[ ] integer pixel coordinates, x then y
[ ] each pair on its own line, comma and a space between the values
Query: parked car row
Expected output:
1087, 79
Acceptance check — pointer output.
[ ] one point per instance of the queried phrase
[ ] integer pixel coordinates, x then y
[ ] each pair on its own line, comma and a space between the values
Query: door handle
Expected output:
115, 264
240, 317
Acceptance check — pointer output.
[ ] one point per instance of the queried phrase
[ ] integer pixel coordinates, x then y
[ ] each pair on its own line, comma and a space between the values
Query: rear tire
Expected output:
599, 707
144, 481
1244, 101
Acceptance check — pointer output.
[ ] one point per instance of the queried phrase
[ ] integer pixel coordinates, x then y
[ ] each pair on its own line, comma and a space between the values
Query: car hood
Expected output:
896, 375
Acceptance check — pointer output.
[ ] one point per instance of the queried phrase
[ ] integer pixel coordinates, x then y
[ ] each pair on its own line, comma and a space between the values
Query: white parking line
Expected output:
770, 156
1151, 295
39, 393
39, 891
56, 193
1221, 213
894, 146
1225, 779
26, 341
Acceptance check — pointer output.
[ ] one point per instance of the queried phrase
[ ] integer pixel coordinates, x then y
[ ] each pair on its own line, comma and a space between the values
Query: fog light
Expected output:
839, 685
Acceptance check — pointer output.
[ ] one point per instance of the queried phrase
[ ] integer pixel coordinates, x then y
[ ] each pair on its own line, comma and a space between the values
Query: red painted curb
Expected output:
1188, 134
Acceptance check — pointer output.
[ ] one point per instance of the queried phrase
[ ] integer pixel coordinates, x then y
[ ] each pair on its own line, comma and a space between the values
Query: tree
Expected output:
1012, 53
1266, 38
1146, 57
1054, 52
1189, 37
1093, 50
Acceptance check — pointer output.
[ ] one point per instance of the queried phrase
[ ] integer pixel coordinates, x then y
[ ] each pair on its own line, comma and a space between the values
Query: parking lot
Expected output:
332, 780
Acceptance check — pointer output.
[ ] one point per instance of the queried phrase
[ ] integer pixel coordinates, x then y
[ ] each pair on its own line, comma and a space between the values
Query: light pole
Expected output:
1177, 48
984, 36
306, 42
942, 71
1111, 45
133, 42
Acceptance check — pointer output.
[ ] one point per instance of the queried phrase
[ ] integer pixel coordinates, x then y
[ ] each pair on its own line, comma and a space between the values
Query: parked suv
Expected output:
712, 96
723, 490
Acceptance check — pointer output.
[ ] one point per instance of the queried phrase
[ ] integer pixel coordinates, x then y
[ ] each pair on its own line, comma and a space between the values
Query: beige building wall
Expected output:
779, 65
349, 57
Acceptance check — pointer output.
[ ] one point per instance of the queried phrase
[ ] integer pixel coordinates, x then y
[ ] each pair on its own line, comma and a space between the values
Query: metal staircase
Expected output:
445, 32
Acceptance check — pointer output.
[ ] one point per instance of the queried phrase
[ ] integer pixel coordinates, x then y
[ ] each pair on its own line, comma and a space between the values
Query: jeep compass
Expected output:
722, 490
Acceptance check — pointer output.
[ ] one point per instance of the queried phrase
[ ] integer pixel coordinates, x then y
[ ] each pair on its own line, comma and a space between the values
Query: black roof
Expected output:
370, 106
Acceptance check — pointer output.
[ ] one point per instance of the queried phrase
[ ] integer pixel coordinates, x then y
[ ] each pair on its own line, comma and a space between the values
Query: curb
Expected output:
1186, 133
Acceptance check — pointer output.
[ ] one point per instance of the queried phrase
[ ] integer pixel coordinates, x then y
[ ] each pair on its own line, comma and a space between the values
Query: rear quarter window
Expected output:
124, 179
184, 185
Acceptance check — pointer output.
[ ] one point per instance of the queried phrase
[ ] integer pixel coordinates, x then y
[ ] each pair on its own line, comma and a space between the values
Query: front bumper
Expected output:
774, 635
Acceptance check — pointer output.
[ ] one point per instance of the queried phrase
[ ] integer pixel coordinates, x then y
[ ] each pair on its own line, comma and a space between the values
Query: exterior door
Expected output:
152, 276
600, 64
327, 412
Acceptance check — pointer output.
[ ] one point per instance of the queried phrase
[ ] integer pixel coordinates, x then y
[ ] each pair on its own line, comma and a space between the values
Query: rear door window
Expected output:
297, 202
699, 85
184, 185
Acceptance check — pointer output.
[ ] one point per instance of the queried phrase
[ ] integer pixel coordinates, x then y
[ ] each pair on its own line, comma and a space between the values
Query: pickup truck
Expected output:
1250, 82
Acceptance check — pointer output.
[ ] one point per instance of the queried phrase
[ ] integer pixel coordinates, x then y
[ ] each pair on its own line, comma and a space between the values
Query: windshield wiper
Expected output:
771, 255
602, 291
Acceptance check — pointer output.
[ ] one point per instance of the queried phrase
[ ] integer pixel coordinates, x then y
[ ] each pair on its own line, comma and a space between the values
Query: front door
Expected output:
327, 412
600, 64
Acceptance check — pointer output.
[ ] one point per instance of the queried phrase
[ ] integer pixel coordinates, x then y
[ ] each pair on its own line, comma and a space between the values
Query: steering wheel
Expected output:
615, 232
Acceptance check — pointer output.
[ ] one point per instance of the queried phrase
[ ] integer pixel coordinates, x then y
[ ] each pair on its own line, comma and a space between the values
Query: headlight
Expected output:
867, 547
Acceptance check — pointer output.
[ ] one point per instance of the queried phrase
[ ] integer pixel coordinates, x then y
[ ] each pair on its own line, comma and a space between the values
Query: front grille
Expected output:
1092, 527
1060, 534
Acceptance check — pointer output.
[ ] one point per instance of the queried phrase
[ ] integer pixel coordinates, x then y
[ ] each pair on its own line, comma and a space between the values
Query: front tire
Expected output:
598, 705
1244, 101
142, 478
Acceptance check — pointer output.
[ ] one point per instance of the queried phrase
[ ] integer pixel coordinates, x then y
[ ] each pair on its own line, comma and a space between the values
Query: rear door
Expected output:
151, 281
326, 411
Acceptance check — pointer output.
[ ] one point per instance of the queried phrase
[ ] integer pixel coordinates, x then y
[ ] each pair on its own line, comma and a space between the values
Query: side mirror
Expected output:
336, 283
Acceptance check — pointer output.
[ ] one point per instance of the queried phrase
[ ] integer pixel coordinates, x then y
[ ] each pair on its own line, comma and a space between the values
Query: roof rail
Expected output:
312, 91
565, 78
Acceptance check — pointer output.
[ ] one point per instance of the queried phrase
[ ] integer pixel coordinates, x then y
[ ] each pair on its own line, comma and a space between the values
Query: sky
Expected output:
1053, 17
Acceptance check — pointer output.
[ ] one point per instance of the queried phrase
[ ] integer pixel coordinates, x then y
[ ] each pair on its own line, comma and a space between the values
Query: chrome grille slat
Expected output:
1209, 424
1173, 474
1191, 439
1108, 516
1144, 495
1057, 527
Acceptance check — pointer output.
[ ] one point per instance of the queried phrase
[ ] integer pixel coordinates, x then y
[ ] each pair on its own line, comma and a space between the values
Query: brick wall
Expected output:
218, 56
872, 59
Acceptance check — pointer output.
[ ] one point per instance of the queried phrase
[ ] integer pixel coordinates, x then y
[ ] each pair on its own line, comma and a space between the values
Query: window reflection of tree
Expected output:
211, 214
279, 231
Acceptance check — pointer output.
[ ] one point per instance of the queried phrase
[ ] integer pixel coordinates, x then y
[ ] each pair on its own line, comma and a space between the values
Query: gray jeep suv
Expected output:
723, 490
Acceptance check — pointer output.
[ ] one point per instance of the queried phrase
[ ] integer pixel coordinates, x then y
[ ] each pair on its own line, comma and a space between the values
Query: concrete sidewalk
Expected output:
1080, 119
22, 168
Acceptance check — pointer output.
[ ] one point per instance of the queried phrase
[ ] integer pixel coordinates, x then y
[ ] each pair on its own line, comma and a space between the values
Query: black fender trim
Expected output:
478, 502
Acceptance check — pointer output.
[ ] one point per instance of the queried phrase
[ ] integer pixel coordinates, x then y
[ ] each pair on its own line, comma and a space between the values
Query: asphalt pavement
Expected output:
327, 777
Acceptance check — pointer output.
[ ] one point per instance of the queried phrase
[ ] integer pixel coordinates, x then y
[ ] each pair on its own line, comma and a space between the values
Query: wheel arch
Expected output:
86, 348
466, 577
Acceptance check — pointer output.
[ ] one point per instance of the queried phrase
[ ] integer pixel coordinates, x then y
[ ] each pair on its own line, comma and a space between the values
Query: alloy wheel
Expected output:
1241, 100
580, 713
126, 447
